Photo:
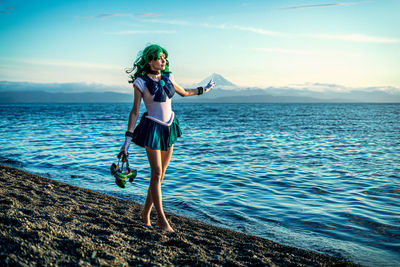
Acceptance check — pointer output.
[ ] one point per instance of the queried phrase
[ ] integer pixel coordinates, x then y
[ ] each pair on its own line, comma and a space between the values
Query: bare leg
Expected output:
145, 214
148, 205
159, 161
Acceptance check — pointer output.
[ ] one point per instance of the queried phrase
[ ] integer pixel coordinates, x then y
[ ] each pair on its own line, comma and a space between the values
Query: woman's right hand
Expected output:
125, 147
209, 86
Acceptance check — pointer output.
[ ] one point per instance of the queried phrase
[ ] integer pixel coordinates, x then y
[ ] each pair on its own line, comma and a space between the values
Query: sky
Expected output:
250, 43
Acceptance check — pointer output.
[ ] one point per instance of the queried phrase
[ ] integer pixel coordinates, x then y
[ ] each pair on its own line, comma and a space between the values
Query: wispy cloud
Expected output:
145, 15
355, 38
308, 52
62, 63
8, 10
110, 15
289, 51
241, 28
132, 32
148, 15
323, 5
152, 18
328, 87
169, 22
257, 30
319, 87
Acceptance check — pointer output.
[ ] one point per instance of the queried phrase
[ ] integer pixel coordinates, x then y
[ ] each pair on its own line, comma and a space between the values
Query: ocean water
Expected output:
324, 177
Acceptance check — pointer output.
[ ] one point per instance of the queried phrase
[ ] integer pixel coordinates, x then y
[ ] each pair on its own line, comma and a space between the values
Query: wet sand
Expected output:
45, 222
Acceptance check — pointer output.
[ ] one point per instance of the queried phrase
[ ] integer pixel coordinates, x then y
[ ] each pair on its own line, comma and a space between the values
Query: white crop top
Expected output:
160, 112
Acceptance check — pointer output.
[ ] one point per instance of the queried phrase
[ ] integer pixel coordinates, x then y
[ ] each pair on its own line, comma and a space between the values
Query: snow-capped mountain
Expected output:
220, 82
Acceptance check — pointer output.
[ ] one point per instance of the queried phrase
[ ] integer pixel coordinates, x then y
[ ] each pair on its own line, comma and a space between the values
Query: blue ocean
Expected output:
324, 177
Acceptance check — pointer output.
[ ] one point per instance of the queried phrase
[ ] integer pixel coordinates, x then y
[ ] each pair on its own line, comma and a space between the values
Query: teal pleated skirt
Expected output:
156, 136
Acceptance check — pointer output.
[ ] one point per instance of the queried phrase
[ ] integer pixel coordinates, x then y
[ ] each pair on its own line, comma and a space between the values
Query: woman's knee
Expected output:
156, 173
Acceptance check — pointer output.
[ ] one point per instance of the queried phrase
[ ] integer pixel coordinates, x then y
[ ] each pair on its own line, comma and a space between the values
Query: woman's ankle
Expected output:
164, 225
145, 218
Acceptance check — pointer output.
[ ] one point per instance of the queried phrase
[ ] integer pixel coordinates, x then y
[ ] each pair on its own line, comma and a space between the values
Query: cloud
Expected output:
148, 15
110, 15
257, 30
101, 16
289, 51
62, 63
152, 15
170, 22
322, 5
8, 10
142, 32
302, 52
242, 28
319, 87
355, 38
329, 87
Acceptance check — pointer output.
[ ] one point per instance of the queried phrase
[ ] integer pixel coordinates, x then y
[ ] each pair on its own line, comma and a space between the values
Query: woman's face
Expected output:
158, 64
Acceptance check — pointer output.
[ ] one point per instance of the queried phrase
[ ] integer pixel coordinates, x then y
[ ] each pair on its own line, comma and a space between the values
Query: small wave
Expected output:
374, 226
210, 218
236, 215
11, 162
265, 219
74, 176
106, 119
318, 191
182, 205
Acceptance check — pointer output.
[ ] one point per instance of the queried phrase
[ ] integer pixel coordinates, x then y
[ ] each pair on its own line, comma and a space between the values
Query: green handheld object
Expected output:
120, 175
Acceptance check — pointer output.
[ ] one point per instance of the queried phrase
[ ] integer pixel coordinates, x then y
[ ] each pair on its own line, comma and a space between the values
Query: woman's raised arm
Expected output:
189, 92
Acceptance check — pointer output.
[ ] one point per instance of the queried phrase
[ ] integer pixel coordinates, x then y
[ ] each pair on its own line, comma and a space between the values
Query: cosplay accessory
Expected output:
154, 72
128, 133
128, 139
209, 86
201, 89
119, 174
161, 89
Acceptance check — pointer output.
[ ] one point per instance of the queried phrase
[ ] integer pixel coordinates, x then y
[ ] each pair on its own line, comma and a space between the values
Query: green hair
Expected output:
141, 64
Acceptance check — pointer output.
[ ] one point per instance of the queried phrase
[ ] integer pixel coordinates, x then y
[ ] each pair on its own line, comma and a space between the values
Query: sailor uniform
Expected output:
158, 127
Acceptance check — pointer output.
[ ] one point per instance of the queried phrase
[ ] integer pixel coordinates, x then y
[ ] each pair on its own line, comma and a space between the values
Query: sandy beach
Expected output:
45, 222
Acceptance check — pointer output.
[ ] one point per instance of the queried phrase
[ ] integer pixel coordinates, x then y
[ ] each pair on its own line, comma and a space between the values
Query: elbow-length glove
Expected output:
125, 147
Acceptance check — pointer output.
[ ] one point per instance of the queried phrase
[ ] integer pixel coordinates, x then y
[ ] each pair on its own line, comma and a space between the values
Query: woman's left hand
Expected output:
209, 86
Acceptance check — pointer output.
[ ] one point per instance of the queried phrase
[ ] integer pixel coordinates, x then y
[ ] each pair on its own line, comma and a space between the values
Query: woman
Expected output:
158, 128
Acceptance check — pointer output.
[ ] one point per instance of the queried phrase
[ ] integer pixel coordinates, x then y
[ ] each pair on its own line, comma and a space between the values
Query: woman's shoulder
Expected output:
170, 76
140, 83
140, 78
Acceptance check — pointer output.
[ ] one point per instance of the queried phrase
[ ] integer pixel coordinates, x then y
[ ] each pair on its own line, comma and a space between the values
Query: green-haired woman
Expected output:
158, 128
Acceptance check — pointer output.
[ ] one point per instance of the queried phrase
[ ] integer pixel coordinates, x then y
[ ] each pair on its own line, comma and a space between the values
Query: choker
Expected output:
154, 72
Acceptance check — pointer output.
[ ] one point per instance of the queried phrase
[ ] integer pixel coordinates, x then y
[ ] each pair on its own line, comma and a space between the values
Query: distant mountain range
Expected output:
224, 91
47, 97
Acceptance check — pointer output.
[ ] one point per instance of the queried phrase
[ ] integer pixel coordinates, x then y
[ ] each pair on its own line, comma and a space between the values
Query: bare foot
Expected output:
164, 226
145, 219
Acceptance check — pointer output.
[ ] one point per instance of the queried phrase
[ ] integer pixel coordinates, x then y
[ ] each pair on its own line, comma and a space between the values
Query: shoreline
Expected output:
46, 222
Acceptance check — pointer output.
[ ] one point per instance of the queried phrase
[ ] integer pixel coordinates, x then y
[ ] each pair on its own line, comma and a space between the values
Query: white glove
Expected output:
209, 86
125, 146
